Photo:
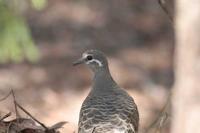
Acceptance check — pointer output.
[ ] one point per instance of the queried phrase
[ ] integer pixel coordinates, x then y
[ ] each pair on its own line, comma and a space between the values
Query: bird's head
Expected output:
96, 60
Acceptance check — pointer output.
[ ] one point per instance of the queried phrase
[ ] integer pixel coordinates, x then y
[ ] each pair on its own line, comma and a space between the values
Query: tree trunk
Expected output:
186, 95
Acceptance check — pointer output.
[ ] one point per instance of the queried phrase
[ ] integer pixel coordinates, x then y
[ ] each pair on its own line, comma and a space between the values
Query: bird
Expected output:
107, 108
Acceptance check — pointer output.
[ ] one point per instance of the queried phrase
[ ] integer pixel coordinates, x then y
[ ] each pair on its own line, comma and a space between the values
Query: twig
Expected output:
162, 4
93, 129
8, 128
4, 98
5, 116
14, 101
45, 127
162, 121
58, 125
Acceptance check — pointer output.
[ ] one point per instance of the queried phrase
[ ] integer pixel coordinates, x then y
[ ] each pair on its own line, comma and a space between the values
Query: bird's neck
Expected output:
103, 80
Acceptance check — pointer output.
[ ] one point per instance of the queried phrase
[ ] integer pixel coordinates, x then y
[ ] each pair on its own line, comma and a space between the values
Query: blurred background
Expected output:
39, 40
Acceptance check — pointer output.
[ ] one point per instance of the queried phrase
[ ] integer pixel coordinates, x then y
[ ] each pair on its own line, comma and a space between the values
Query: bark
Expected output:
186, 95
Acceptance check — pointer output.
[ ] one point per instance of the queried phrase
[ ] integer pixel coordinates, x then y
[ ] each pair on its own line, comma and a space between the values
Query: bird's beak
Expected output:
79, 61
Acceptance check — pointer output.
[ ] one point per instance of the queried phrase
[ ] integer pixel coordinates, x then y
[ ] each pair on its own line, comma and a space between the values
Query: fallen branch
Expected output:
23, 125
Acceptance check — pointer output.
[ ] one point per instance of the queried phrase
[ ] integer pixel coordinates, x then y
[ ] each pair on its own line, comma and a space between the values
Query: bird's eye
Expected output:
89, 57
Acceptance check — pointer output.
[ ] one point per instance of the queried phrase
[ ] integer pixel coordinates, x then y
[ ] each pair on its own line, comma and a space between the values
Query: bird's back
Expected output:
108, 111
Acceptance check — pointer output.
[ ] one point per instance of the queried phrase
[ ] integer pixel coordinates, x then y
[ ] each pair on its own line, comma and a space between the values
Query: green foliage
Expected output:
16, 43
39, 4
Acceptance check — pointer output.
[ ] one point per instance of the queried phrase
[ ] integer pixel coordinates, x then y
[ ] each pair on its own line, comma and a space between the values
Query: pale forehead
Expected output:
85, 55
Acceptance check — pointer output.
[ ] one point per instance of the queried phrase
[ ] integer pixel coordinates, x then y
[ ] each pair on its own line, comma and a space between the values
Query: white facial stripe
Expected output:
93, 60
97, 61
